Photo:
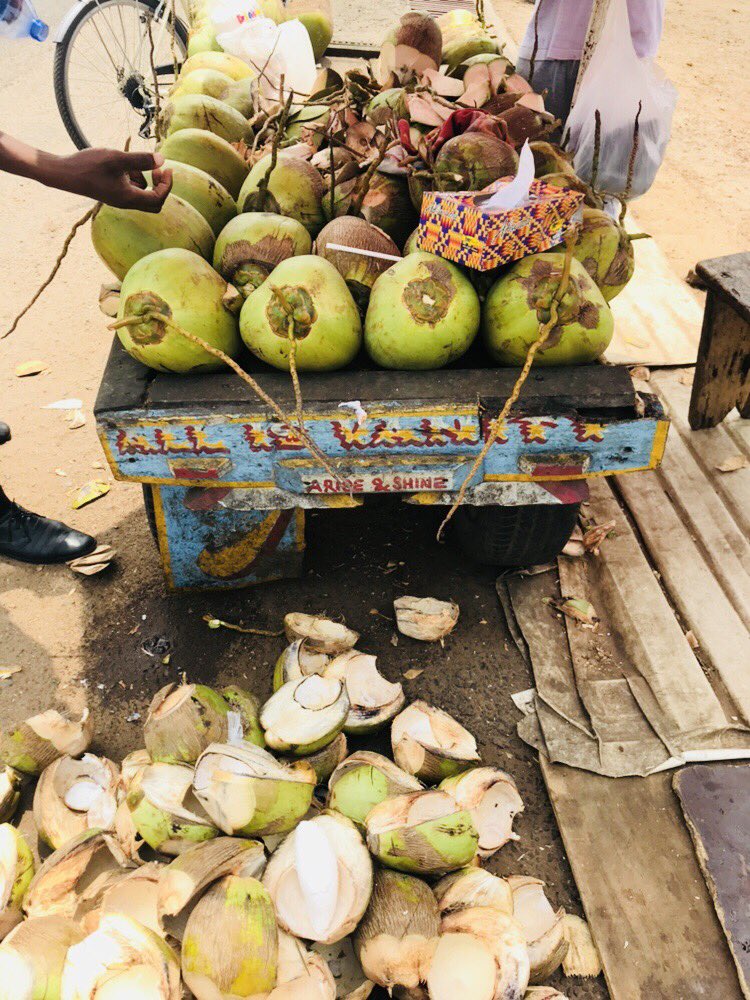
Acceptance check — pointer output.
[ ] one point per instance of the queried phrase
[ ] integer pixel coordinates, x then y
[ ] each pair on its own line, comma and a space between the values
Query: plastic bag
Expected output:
278, 51
615, 82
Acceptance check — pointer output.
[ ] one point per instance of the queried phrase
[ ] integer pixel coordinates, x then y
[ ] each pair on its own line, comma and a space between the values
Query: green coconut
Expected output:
222, 62
463, 38
165, 811
254, 243
247, 792
208, 152
206, 113
364, 780
230, 947
122, 236
383, 106
247, 706
324, 762
520, 302
417, 187
388, 206
472, 160
186, 289
606, 251
550, 159
359, 271
317, 20
411, 244
423, 833
324, 320
423, 314
202, 40
204, 193
295, 188
238, 94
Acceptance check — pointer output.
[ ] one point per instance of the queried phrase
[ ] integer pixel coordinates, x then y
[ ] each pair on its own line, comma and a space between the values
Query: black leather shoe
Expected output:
4, 433
31, 538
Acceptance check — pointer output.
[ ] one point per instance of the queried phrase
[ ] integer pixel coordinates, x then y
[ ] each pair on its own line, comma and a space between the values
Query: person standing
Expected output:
558, 28
114, 178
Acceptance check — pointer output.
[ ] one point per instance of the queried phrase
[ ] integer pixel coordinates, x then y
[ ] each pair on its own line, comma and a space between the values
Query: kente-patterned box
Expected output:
456, 226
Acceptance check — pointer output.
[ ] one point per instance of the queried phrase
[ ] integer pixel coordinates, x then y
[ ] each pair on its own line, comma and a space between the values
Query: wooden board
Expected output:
722, 371
644, 896
715, 799
729, 277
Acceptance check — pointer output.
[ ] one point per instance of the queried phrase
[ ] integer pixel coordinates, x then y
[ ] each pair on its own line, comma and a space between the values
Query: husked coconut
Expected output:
397, 936
320, 879
231, 938
302, 974
304, 716
363, 780
32, 957
425, 618
182, 720
324, 762
543, 927
75, 795
412, 46
430, 744
503, 937
120, 959
359, 270
373, 700
298, 660
424, 833
90, 859
473, 887
492, 798
321, 634
32, 745
165, 810
247, 792
182, 882
462, 966
582, 957
16, 873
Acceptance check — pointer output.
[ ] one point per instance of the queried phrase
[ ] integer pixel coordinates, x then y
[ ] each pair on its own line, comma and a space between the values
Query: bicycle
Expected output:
115, 61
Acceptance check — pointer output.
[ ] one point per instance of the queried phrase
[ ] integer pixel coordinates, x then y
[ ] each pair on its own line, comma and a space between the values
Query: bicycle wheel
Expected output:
113, 66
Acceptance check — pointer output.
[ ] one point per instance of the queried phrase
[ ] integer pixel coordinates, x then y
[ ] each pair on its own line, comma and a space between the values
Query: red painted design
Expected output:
426, 434
262, 439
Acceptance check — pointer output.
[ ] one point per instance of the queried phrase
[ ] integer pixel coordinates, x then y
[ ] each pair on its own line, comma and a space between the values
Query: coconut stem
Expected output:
151, 315
597, 148
544, 332
155, 80
56, 267
631, 164
367, 179
283, 118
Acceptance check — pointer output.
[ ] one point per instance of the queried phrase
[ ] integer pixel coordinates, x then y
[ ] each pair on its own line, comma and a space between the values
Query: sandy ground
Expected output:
78, 640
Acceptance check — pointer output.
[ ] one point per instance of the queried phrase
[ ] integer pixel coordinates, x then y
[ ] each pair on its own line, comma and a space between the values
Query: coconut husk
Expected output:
182, 720
35, 743
543, 928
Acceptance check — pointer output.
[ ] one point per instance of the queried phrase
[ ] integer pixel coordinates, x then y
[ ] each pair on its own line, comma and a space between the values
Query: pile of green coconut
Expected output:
293, 224
246, 853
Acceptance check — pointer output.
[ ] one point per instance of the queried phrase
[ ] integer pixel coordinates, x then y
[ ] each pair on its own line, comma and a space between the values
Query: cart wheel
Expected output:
515, 536
113, 58
148, 504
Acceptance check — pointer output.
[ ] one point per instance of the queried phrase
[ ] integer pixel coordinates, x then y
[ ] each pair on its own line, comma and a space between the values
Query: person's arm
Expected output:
106, 175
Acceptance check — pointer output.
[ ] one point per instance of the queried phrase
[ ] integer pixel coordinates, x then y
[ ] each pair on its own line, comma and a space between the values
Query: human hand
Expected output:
113, 177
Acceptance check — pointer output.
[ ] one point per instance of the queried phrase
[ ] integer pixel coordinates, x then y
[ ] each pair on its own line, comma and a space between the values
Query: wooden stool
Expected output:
722, 373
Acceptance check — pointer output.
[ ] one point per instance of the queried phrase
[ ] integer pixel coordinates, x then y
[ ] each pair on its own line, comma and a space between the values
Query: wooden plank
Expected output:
692, 586
124, 384
716, 802
710, 447
729, 277
724, 547
645, 899
722, 372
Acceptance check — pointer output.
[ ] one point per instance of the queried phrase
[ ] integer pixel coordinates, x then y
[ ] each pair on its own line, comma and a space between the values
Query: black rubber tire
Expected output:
514, 536
58, 71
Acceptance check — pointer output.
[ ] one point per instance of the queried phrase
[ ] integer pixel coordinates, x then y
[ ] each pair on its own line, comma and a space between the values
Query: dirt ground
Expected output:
78, 641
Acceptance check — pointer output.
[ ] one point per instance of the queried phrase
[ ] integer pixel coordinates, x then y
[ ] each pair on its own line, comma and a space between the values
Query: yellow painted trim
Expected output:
161, 534
520, 478
209, 420
299, 543
660, 444
111, 460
